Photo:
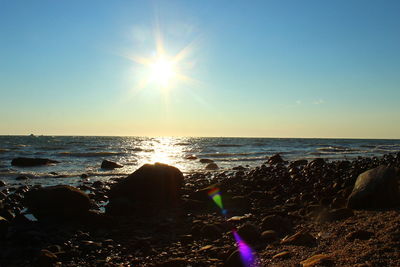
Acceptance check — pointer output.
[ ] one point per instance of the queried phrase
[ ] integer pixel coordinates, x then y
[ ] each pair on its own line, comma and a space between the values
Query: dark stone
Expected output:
191, 157
46, 258
2, 183
375, 188
98, 184
211, 231
206, 161
299, 239
61, 201
84, 176
316, 163
29, 162
275, 159
212, 166
269, 235
234, 260
22, 178
359, 234
110, 165
277, 223
152, 184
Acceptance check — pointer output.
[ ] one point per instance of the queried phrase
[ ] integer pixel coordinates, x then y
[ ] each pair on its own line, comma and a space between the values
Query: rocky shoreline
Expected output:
290, 213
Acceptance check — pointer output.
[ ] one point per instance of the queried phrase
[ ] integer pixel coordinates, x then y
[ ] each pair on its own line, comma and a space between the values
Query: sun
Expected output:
162, 71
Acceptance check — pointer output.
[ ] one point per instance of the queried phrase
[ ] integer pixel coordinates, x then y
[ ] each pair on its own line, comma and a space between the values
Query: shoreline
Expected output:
265, 203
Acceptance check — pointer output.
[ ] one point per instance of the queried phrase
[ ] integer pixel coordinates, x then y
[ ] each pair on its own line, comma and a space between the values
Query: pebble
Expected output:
317, 260
359, 234
269, 235
301, 238
281, 255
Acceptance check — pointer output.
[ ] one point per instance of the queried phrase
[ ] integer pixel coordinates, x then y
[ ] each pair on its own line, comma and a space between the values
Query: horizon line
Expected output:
188, 136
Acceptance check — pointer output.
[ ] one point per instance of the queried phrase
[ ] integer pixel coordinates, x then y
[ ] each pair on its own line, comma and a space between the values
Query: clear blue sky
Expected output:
259, 68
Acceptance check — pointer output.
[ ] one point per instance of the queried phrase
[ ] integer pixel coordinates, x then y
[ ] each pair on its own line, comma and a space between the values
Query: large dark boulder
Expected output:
30, 162
60, 201
110, 165
152, 184
376, 188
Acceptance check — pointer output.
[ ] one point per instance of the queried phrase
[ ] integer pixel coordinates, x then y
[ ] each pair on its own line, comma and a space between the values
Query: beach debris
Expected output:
31, 162
110, 165
376, 188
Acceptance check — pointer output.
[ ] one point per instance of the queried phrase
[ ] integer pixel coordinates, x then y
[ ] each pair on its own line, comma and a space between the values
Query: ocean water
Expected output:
81, 154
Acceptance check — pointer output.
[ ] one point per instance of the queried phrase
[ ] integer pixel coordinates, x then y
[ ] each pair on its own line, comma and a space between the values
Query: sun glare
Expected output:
162, 72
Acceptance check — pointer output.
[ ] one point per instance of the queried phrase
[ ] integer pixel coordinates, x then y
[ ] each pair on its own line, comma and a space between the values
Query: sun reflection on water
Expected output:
164, 150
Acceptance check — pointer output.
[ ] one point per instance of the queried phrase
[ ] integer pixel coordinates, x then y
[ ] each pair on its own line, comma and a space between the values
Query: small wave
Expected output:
241, 159
228, 145
90, 154
51, 148
389, 147
138, 149
182, 144
336, 149
221, 155
3, 150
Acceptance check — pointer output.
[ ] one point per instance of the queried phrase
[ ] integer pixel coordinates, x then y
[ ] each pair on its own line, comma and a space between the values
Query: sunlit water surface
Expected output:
78, 155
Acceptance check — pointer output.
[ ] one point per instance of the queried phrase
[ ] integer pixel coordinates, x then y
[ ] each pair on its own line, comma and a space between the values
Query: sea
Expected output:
83, 154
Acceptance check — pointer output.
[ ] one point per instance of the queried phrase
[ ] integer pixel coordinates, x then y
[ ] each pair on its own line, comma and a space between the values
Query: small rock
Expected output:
301, 238
282, 255
22, 178
277, 223
30, 162
191, 157
110, 165
206, 161
359, 234
212, 166
2, 183
46, 258
211, 231
98, 184
234, 260
317, 260
84, 176
269, 235
275, 159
